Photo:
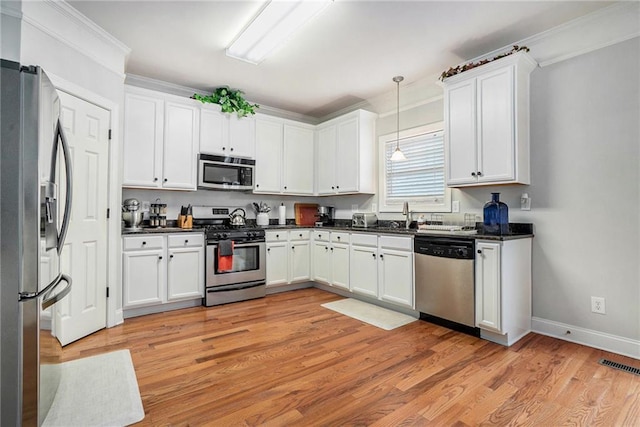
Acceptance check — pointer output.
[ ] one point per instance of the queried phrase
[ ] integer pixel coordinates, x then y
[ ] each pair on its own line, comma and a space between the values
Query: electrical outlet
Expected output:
597, 305
374, 207
145, 206
455, 206
354, 208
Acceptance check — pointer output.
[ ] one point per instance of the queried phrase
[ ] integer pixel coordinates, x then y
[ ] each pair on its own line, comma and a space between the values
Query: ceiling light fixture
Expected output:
272, 27
398, 156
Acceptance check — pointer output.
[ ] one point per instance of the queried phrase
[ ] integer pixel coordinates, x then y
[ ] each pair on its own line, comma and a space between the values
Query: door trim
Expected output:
114, 196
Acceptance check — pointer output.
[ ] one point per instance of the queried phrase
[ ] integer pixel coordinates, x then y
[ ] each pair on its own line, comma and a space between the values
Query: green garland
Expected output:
231, 100
462, 68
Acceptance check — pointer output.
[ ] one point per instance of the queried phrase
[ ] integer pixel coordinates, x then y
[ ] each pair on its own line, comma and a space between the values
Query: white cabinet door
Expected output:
340, 265
268, 171
364, 270
214, 128
185, 273
144, 278
460, 135
143, 136
298, 160
326, 160
277, 263
181, 136
496, 144
348, 157
321, 262
488, 293
396, 276
242, 136
300, 256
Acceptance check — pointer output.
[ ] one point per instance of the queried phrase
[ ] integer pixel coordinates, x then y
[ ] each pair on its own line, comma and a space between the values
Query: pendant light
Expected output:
398, 156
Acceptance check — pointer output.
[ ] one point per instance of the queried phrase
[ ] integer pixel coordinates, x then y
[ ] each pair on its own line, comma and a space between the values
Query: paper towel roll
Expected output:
282, 214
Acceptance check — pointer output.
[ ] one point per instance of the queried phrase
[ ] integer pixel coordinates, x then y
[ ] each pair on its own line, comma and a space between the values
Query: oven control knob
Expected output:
250, 233
224, 235
461, 252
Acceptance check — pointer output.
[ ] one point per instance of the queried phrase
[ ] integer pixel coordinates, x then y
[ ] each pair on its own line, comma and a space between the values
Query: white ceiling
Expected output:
346, 55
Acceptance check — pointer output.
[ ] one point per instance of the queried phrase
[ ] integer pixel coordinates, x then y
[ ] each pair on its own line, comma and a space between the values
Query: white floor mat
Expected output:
99, 390
369, 313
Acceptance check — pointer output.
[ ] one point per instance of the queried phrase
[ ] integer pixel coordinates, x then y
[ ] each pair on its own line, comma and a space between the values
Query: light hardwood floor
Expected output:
285, 360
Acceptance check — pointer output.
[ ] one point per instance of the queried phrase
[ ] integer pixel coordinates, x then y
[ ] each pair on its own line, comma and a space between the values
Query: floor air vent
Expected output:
620, 366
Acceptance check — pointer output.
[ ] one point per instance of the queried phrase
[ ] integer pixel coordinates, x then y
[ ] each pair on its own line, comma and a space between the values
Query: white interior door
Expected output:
84, 256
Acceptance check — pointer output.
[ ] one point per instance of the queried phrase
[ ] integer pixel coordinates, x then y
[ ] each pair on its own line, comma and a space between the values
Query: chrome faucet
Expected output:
407, 213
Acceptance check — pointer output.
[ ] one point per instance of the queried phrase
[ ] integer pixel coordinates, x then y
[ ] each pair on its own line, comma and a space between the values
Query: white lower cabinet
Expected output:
396, 270
331, 258
364, 264
157, 269
288, 257
503, 289
382, 267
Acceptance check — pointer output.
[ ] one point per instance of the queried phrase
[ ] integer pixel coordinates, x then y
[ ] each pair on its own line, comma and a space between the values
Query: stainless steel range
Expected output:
234, 259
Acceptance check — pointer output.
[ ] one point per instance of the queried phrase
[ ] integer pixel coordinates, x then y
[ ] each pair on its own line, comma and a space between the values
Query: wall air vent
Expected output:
620, 366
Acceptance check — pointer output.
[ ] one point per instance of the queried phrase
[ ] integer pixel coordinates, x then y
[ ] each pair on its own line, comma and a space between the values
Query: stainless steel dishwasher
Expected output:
444, 280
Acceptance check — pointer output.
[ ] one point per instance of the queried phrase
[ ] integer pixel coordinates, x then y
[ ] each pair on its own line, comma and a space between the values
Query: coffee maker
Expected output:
325, 216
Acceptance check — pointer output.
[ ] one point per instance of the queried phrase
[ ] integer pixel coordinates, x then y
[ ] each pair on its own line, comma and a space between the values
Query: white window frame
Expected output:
415, 204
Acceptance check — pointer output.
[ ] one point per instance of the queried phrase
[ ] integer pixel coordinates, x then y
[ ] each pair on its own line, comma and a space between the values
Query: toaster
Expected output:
364, 220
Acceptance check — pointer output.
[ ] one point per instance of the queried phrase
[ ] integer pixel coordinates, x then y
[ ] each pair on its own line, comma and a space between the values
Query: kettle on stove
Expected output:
238, 217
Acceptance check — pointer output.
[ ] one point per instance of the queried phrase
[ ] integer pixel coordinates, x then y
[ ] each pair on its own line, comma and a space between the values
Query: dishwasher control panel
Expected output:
444, 247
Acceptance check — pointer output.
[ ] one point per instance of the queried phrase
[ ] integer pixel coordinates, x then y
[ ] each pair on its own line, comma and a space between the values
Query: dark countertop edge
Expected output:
160, 230
401, 232
376, 230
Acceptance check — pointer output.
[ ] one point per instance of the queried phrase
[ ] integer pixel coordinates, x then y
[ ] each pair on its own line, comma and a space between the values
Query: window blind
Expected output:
421, 177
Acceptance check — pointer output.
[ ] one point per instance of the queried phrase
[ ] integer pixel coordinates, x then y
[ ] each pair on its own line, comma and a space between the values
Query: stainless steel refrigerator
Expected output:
34, 217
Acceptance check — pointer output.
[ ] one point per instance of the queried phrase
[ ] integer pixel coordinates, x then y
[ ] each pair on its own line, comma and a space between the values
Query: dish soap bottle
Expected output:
496, 216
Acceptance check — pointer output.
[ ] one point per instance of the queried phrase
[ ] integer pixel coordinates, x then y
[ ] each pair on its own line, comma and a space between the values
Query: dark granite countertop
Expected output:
519, 231
159, 230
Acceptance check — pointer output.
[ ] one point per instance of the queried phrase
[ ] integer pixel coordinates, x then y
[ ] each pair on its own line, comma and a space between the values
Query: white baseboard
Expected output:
588, 337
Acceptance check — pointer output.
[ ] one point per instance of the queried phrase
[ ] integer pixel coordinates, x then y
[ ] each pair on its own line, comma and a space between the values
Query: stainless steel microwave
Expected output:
225, 173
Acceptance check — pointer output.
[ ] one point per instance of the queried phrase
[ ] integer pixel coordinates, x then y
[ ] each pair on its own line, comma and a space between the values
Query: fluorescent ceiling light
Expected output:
272, 27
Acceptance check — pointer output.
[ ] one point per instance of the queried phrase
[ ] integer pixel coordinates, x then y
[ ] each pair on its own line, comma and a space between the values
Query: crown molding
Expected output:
62, 22
601, 28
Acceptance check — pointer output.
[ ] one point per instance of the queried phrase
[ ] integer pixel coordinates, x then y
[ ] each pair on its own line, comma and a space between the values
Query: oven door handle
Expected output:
240, 245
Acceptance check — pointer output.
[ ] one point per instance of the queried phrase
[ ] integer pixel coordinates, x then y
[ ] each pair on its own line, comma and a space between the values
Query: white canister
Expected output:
262, 219
282, 214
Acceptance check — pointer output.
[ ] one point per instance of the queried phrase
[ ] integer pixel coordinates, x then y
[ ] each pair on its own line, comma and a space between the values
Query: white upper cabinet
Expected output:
161, 134
298, 160
487, 123
143, 137
180, 146
225, 134
345, 152
284, 157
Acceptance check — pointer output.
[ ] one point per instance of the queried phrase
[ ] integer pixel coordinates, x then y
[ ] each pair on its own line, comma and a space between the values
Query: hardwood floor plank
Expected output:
285, 360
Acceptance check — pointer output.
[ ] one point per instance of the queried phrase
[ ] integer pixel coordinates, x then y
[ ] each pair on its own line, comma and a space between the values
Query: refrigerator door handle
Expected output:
69, 187
50, 300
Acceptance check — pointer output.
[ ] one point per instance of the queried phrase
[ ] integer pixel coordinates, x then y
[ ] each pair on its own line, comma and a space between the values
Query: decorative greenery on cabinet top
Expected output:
231, 100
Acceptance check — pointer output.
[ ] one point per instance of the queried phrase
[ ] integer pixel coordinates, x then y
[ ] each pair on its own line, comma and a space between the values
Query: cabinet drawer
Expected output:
142, 242
189, 240
299, 234
364, 239
276, 236
340, 237
321, 236
392, 242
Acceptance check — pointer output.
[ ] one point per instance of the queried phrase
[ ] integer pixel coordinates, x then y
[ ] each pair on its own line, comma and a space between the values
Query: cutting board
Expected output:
306, 213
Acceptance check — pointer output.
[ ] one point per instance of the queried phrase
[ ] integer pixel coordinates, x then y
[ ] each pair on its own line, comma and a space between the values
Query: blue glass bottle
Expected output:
496, 216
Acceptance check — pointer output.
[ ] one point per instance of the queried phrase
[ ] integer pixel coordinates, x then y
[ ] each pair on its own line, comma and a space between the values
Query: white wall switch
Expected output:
525, 202
455, 206
374, 207
354, 208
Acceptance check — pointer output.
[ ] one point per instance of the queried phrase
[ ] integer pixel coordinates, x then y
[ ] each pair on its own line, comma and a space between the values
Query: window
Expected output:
420, 179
